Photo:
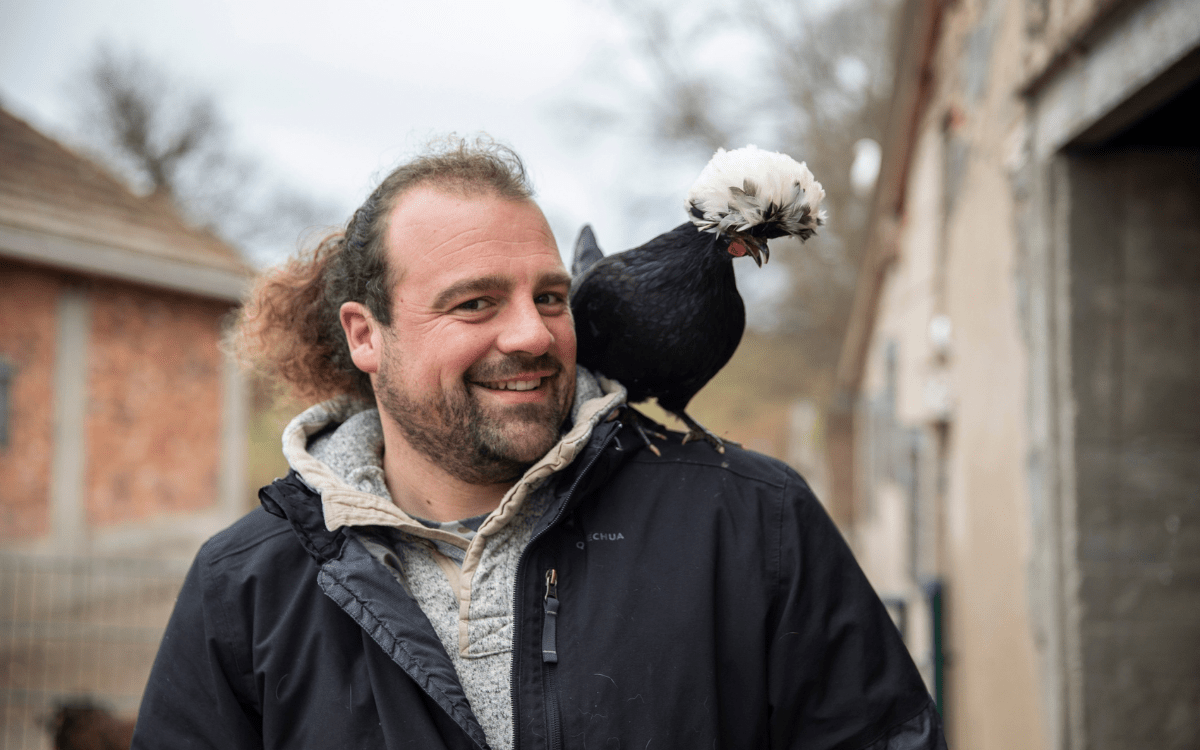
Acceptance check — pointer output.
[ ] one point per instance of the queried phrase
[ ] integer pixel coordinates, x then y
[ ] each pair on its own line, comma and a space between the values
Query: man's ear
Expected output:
364, 335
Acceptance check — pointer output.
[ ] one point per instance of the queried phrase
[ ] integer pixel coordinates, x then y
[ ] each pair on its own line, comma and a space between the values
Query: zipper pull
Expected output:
550, 619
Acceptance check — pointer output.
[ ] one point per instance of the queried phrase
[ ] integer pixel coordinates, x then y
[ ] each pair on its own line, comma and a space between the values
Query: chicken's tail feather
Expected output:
587, 251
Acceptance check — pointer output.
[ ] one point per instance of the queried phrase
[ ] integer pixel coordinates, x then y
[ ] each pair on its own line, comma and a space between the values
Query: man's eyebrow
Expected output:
555, 278
472, 286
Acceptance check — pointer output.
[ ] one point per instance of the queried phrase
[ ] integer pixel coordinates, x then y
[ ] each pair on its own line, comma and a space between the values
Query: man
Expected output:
473, 551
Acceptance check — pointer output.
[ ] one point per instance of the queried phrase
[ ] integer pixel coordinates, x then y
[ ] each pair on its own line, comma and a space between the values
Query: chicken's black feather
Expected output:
587, 251
665, 317
662, 318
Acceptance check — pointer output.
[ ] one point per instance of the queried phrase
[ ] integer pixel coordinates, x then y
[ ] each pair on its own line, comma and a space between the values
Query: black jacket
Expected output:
703, 600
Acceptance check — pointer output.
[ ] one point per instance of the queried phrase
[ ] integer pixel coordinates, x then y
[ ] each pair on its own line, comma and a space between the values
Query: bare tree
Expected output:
167, 136
834, 77
684, 109
143, 126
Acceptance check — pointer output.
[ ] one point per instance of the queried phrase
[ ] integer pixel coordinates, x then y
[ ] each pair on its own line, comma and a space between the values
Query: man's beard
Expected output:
467, 441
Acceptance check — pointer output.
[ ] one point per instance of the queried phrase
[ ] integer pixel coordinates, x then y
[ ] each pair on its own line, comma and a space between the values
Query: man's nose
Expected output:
525, 330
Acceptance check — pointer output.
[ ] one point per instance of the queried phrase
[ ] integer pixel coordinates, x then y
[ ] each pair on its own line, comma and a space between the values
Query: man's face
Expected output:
478, 365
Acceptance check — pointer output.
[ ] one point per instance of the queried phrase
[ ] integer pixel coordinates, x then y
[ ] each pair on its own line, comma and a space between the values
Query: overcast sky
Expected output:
333, 98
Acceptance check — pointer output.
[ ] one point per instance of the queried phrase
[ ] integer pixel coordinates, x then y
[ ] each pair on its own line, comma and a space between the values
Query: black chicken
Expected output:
665, 317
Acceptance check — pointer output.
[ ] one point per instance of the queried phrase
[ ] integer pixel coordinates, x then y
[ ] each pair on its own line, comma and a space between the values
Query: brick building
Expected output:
121, 423
122, 426
1015, 446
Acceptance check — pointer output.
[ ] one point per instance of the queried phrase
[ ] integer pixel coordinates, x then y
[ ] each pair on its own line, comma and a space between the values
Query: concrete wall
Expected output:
1135, 352
1053, 26
960, 262
1132, 59
957, 265
1059, 427
993, 672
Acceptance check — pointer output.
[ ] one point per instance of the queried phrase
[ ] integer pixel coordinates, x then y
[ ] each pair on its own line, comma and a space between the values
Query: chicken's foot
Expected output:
697, 431
633, 418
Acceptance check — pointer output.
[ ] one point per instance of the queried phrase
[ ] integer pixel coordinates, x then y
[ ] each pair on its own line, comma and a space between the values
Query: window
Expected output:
6, 376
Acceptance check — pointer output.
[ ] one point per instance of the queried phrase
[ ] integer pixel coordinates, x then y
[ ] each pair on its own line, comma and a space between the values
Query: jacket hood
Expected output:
352, 490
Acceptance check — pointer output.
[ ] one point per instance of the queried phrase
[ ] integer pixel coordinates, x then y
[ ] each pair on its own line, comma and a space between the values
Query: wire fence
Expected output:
76, 628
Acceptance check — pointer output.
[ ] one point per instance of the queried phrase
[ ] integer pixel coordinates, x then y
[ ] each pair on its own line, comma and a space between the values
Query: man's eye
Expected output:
549, 298
474, 305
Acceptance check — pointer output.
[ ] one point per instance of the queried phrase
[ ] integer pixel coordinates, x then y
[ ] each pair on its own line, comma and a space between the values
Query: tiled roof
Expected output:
58, 208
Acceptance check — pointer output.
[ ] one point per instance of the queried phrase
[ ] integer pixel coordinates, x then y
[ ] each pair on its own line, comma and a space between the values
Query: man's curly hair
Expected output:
289, 330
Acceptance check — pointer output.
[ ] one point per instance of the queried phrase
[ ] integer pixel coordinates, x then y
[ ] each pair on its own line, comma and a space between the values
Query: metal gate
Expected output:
77, 628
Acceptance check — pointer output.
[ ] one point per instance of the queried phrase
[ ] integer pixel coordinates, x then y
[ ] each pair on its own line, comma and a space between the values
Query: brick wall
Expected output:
152, 431
27, 331
154, 416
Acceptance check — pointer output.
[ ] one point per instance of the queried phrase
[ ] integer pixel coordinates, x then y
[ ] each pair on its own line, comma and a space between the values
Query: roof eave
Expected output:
112, 262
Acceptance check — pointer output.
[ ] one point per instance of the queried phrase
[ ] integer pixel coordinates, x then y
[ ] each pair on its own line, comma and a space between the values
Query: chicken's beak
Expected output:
753, 248
758, 251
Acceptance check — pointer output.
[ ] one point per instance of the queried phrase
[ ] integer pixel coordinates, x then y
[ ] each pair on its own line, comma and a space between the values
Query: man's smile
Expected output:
531, 384
514, 385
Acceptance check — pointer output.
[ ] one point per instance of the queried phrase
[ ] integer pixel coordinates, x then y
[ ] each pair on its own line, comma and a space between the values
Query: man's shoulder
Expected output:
697, 477
257, 534
739, 464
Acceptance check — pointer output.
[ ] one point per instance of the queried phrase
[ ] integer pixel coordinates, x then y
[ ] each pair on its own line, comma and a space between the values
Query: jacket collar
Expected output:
291, 499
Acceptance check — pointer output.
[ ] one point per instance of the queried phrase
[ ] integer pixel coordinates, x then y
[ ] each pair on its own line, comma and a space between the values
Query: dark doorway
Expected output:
1134, 233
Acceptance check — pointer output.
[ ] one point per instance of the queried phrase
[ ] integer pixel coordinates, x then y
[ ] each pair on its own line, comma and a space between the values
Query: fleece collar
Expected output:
347, 472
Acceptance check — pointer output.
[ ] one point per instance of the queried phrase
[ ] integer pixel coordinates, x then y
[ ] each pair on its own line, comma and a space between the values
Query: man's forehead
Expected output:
433, 215
446, 233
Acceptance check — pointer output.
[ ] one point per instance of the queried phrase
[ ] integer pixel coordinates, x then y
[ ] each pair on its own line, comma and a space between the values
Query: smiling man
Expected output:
473, 551
476, 372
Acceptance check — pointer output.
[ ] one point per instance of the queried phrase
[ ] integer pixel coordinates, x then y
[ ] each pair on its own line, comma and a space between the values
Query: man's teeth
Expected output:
515, 385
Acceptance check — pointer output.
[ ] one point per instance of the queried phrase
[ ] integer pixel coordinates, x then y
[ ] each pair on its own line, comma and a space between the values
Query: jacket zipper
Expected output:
514, 668
550, 658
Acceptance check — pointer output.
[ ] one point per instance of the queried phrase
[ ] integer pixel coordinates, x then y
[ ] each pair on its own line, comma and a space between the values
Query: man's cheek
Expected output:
564, 338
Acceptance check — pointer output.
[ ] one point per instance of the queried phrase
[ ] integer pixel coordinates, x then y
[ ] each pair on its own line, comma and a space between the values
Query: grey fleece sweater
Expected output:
462, 580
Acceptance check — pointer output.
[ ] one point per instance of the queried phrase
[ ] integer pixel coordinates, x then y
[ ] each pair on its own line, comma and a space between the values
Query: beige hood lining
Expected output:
345, 506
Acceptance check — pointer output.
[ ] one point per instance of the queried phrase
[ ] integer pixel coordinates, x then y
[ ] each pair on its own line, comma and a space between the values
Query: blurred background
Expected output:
987, 364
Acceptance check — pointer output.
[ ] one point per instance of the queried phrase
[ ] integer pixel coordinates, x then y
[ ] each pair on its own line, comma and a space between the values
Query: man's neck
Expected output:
425, 490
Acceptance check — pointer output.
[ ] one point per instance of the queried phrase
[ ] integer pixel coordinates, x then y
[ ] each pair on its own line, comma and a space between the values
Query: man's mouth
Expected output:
514, 385
530, 380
